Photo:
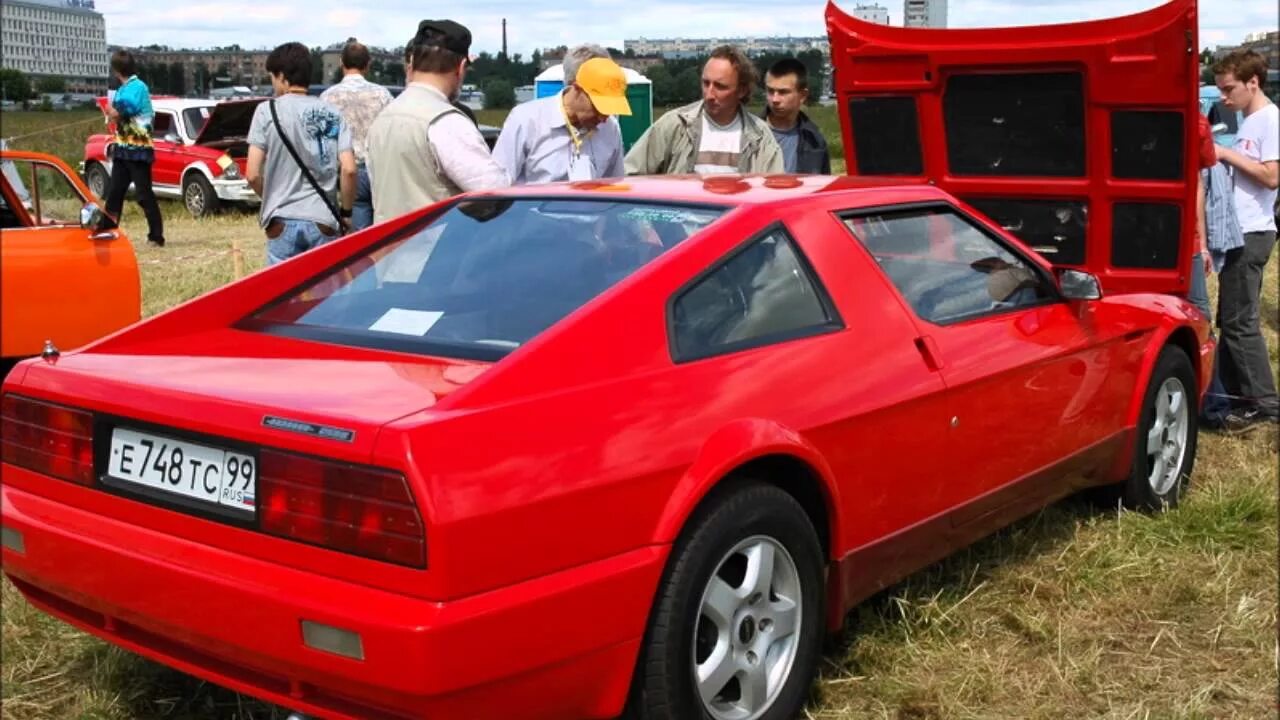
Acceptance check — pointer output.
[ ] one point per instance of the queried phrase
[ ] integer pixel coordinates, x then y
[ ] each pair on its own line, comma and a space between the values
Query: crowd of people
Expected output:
355, 156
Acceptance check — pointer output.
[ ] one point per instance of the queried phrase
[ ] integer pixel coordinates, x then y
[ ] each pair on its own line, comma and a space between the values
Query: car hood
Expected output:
228, 121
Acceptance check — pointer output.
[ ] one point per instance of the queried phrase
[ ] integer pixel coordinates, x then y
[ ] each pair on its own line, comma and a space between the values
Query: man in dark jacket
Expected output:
804, 149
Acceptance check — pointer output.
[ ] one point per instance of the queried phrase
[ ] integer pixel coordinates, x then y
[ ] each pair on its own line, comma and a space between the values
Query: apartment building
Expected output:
59, 38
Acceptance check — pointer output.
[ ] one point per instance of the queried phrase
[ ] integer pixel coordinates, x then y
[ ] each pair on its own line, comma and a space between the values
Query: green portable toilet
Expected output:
639, 96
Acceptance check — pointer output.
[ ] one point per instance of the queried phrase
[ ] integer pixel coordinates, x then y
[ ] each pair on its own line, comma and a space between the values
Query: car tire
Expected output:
1165, 446
715, 615
96, 177
198, 196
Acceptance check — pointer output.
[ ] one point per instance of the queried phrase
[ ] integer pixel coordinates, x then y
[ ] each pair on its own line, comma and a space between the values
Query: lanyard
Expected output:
574, 135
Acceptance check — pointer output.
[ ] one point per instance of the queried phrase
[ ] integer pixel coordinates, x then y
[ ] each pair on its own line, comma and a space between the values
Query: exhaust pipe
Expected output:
298, 716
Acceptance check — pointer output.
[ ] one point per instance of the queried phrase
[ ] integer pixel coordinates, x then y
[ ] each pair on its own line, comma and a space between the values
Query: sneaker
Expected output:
157, 243
1238, 422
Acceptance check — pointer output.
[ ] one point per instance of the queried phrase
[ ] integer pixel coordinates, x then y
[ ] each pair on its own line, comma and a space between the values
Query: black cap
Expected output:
447, 34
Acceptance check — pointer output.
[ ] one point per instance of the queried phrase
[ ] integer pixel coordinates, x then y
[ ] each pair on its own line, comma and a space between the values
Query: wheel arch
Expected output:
756, 450
196, 166
1184, 338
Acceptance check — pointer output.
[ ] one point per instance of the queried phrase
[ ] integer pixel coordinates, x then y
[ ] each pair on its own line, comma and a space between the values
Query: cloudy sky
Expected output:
533, 24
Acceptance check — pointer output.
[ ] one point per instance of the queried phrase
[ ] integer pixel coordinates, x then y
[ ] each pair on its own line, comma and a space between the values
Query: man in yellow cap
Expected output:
572, 135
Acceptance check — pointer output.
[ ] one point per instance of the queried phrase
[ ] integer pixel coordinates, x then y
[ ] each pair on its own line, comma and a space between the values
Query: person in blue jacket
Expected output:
132, 154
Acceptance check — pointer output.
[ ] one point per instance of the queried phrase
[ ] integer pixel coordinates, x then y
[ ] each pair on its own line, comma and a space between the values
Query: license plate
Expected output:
211, 475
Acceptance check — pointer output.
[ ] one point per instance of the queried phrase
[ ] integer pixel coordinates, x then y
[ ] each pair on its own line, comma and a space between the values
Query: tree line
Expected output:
679, 81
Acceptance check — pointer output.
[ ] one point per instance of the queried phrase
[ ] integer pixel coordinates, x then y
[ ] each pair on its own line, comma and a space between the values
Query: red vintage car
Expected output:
200, 150
558, 451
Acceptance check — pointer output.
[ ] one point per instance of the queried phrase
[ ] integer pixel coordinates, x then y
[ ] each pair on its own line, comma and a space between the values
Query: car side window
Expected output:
45, 192
163, 127
947, 268
763, 293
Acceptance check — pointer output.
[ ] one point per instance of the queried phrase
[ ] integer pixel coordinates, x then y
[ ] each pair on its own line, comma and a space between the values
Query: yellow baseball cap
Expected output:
604, 82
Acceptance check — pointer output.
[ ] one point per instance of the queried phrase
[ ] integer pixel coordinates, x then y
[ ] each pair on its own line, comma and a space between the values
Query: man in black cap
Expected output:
422, 149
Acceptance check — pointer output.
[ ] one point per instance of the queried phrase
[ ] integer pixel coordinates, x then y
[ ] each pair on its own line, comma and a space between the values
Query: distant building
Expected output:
203, 70
680, 48
924, 13
1267, 43
550, 57
872, 13
331, 58
56, 38
639, 63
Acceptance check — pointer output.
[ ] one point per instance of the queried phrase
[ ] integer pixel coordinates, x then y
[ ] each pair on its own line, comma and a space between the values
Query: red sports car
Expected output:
557, 451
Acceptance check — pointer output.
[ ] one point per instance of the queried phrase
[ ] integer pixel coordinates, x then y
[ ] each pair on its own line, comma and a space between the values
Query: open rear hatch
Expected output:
1074, 137
228, 122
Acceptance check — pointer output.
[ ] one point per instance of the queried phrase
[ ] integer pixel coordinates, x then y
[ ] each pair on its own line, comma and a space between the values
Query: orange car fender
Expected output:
730, 448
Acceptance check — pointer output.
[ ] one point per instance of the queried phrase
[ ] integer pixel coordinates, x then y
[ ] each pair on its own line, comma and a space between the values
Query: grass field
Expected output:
1071, 613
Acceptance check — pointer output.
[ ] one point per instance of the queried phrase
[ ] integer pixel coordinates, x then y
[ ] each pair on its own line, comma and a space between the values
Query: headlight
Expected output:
231, 172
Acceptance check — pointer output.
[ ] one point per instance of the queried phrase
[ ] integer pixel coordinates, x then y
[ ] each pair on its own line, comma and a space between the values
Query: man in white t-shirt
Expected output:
1255, 164
714, 135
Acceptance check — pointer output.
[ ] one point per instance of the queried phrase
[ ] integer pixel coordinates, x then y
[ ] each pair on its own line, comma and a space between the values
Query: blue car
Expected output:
1211, 106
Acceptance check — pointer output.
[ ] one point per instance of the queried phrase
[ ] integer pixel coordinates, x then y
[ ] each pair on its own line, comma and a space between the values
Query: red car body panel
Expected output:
1147, 62
552, 483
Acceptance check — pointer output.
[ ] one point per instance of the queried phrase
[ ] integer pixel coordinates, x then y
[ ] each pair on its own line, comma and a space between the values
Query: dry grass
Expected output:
1073, 613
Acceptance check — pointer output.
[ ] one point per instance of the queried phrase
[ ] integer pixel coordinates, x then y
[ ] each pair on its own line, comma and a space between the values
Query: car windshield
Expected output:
483, 276
194, 118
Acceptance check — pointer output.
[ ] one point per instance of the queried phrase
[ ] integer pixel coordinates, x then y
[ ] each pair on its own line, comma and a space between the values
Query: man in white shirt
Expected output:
571, 135
714, 135
421, 148
359, 101
1255, 164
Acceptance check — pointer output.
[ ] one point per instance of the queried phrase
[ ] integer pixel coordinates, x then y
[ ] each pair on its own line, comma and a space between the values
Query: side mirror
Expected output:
90, 216
1079, 285
1219, 128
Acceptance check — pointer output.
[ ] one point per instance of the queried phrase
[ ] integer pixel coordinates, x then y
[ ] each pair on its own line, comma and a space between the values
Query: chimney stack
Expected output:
504, 37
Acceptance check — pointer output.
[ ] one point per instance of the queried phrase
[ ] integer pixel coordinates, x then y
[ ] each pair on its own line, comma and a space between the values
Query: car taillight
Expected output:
353, 509
50, 439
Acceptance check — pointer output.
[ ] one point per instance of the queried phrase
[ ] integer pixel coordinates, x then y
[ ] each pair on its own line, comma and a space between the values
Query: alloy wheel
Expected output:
194, 198
1167, 436
748, 630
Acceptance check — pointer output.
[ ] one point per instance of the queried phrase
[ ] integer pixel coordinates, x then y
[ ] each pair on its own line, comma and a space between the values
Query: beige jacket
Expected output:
670, 146
404, 173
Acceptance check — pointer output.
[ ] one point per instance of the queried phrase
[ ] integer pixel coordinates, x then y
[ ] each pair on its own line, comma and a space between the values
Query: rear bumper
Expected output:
562, 646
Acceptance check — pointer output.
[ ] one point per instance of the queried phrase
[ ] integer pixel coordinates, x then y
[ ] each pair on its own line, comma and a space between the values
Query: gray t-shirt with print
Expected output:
318, 132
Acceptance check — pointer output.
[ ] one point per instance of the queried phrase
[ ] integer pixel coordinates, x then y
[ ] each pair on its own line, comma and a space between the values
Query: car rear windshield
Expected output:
483, 276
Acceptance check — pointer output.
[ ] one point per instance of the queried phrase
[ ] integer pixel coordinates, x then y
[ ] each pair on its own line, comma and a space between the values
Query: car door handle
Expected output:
105, 235
929, 351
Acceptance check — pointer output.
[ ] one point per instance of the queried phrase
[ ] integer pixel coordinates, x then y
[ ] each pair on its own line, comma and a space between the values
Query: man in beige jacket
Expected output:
422, 149
714, 135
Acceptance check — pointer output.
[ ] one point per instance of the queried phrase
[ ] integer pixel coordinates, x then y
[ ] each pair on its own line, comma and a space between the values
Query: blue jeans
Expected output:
1198, 295
362, 208
298, 237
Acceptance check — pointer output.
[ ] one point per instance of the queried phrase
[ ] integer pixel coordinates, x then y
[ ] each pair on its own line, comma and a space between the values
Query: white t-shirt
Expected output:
719, 147
1258, 139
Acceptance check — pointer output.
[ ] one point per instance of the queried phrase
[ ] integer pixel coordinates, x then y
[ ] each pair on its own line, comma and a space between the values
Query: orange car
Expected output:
60, 280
